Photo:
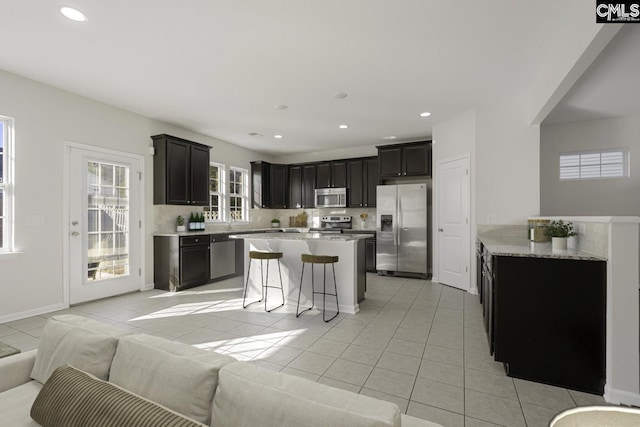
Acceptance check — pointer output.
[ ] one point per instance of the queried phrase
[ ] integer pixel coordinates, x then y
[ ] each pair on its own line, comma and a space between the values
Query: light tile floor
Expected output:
415, 343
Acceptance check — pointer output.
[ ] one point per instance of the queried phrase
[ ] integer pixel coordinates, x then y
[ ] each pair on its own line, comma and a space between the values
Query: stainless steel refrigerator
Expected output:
401, 229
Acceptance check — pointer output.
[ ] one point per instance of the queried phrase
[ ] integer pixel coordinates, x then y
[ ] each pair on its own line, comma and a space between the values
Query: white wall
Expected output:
613, 196
507, 163
45, 117
317, 156
451, 139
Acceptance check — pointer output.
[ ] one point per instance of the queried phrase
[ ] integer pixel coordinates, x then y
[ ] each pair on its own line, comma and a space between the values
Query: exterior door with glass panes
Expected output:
104, 224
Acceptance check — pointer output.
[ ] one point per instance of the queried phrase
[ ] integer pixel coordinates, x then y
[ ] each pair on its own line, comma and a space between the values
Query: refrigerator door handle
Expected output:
399, 227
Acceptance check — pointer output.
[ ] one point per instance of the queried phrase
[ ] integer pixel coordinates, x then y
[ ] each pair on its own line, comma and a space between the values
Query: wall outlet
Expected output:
492, 219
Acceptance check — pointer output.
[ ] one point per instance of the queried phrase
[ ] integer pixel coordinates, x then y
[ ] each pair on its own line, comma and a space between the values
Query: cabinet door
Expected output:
416, 159
390, 161
370, 181
308, 186
370, 250
339, 173
279, 186
199, 176
178, 159
260, 189
295, 186
323, 175
355, 183
194, 265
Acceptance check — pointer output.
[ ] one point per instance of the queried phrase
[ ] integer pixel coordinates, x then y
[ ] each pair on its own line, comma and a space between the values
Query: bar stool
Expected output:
324, 260
264, 281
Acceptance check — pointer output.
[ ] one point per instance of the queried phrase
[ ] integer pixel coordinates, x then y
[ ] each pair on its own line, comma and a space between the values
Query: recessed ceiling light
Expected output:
340, 95
281, 107
73, 14
425, 114
277, 136
389, 137
344, 126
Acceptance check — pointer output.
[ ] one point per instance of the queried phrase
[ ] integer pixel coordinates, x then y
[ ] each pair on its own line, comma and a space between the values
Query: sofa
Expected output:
85, 372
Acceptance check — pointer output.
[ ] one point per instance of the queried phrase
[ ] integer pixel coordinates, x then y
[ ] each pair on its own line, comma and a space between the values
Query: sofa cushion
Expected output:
172, 374
15, 404
250, 395
75, 398
74, 340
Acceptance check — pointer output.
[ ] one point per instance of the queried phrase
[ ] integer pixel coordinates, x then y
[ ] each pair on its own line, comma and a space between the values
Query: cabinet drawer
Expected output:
194, 240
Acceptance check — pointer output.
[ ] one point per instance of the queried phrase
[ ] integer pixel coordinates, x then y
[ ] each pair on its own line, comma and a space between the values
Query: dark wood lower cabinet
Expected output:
370, 253
180, 262
547, 319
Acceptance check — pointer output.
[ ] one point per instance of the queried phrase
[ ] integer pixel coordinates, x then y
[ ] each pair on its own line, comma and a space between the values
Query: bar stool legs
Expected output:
324, 260
264, 281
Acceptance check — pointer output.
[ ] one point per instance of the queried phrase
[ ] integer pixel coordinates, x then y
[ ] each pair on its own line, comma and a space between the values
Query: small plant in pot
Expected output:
180, 227
275, 223
560, 231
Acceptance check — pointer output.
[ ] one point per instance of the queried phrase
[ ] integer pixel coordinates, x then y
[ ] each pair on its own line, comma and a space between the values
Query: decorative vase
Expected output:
558, 243
181, 228
363, 224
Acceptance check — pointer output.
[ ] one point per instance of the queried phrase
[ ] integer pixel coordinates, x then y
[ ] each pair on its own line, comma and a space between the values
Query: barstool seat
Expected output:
263, 255
324, 260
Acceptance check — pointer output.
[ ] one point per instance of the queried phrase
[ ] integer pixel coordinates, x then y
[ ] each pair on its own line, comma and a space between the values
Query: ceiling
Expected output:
220, 67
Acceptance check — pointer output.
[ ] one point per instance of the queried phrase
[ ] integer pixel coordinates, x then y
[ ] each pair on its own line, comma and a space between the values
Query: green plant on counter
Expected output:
560, 229
275, 221
180, 220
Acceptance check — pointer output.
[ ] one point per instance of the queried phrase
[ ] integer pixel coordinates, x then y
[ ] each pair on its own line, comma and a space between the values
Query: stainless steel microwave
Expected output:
331, 198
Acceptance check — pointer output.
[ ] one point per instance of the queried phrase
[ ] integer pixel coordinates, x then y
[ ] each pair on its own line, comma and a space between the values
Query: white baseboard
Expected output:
617, 397
147, 287
30, 313
434, 279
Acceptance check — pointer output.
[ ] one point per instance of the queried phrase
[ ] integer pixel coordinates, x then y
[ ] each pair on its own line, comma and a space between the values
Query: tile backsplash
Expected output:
164, 218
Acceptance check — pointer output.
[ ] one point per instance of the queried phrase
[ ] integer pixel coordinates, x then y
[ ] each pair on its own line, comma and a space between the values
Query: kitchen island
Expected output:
350, 269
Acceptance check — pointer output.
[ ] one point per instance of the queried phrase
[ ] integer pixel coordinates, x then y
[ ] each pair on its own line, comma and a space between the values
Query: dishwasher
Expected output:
223, 256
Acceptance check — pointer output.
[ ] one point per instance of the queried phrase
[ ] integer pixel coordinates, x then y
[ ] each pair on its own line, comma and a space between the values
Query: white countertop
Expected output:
302, 236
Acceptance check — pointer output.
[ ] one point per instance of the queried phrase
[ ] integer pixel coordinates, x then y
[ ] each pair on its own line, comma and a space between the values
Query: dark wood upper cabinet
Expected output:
269, 185
279, 186
180, 171
309, 186
331, 174
362, 182
302, 184
401, 160
371, 181
295, 186
260, 185
356, 183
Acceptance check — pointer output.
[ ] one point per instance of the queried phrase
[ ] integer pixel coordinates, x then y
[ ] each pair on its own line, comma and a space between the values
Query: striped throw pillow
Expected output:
71, 398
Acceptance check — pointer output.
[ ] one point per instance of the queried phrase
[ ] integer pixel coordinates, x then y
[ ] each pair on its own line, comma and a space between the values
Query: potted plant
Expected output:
180, 224
275, 223
560, 231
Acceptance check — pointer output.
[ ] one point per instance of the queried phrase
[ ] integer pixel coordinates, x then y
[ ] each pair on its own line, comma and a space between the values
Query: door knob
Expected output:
440, 230
75, 233
74, 222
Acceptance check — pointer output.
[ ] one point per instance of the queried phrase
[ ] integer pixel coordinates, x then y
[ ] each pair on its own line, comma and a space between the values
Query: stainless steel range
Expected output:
333, 224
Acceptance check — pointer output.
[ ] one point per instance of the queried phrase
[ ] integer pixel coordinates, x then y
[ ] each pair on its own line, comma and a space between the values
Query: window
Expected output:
238, 194
6, 193
216, 193
594, 164
228, 194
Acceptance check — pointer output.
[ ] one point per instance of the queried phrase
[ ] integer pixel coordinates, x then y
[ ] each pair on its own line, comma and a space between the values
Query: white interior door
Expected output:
454, 246
104, 224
